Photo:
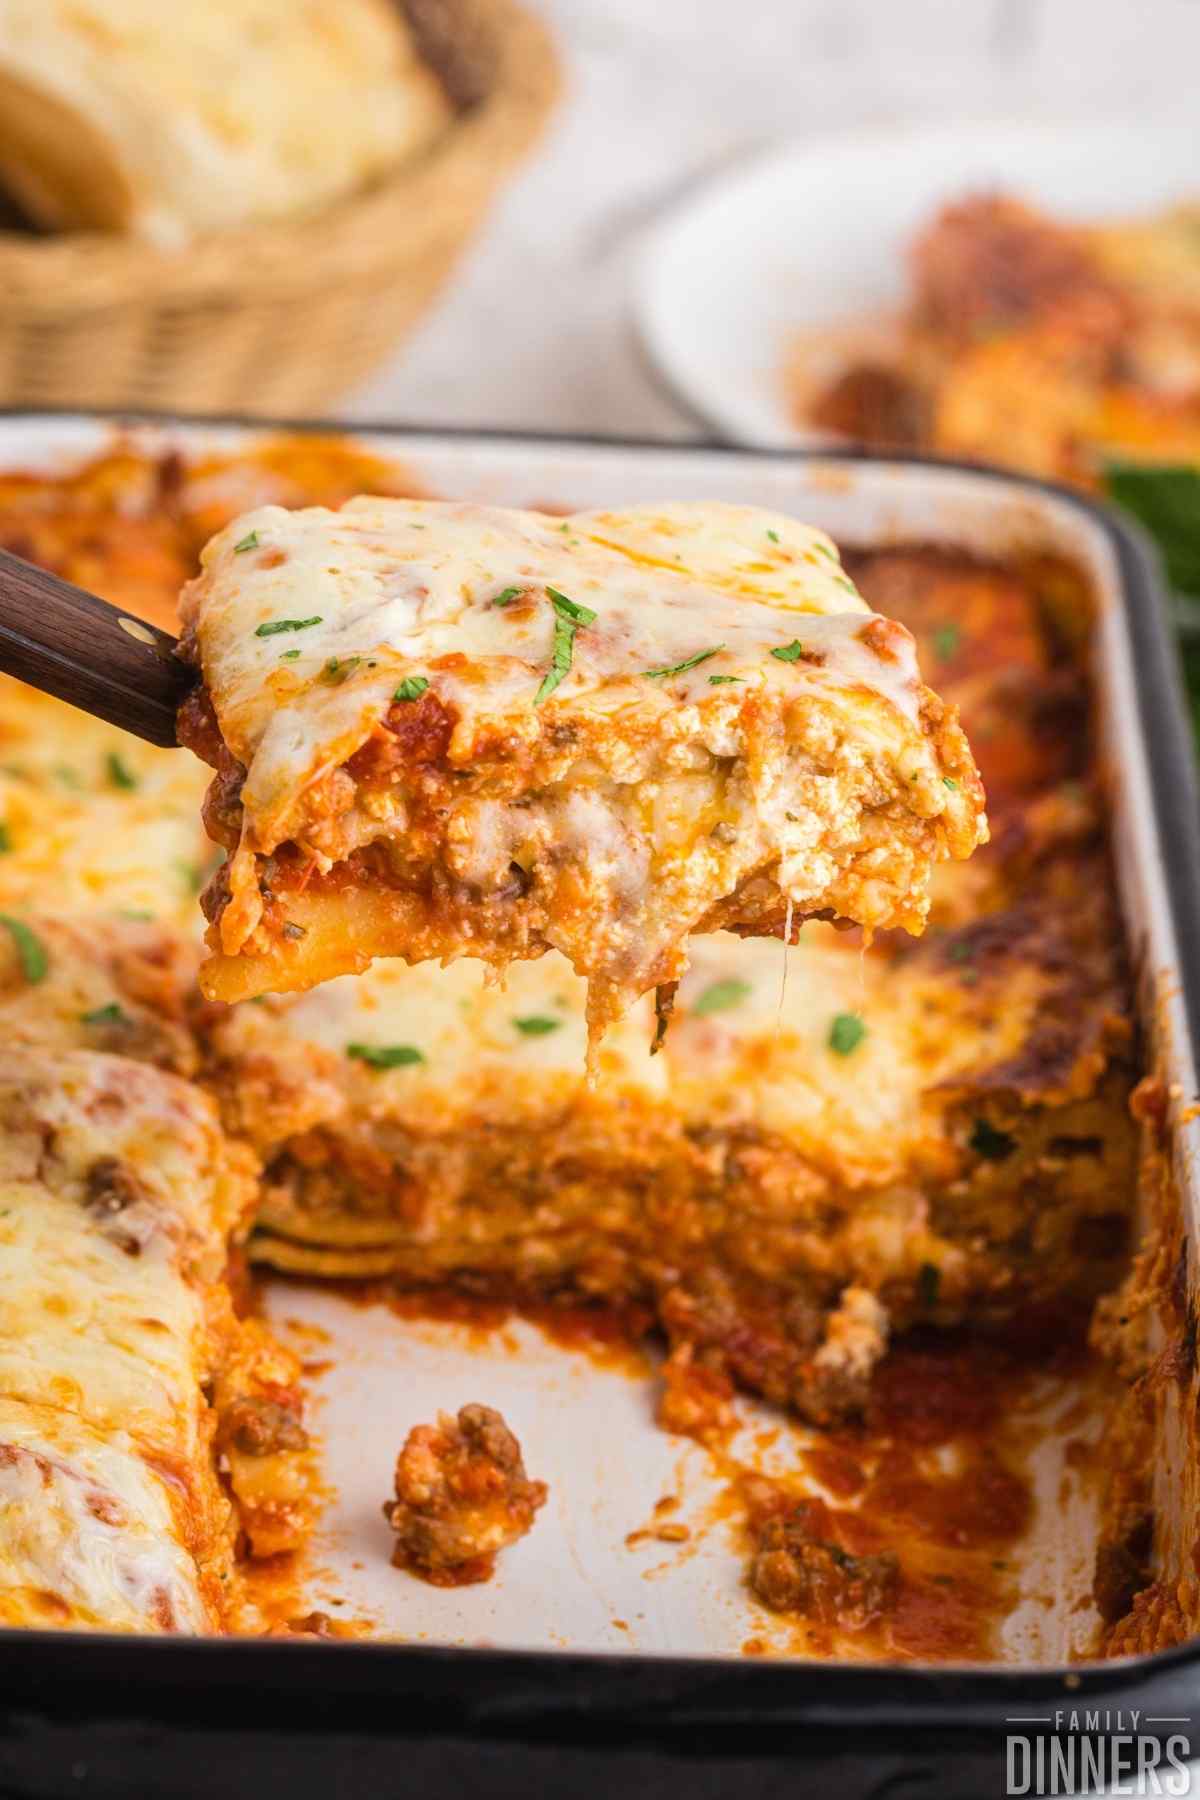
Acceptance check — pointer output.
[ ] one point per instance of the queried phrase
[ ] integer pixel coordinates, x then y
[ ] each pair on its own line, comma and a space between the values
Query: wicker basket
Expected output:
280, 318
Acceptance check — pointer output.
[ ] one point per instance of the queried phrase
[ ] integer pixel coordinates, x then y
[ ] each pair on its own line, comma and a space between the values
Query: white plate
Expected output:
817, 235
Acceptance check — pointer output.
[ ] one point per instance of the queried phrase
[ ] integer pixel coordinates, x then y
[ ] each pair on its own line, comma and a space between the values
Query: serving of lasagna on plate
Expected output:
443, 729
841, 1151
1051, 345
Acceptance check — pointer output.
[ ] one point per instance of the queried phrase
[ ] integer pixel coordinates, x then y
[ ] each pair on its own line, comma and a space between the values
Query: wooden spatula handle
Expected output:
76, 646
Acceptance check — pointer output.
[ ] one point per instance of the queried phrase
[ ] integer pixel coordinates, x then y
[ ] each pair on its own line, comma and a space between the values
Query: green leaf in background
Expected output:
1165, 498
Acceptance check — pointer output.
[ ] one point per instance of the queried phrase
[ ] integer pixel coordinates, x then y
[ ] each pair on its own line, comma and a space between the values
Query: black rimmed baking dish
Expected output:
118, 1716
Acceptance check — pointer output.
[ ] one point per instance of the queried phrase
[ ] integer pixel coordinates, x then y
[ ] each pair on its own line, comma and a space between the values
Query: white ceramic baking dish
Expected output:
579, 1639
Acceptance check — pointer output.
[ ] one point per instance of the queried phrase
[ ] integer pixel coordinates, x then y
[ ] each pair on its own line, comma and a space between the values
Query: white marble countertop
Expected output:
534, 330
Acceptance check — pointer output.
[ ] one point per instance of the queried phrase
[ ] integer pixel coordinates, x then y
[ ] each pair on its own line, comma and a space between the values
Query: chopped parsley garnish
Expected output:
844, 581
789, 652
949, 781
507, 594
929, 1280
570, 609
249, 542
411, 688
691, 663
119, 773
385, 1056
5, 839
190, 873
993, 1145
568, 617
722, 680
946, 640
70, 778
719, 996
537, 1025
275, 626
826, 550
846, 1033
774, 536
961, 952
335, 671
289, 656
112, 1014
31, 952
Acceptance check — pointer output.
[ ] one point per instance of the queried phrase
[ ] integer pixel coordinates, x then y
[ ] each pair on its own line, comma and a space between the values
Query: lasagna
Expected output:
443, 729
117, 1198
831, 1148
834, 1147
1045, 345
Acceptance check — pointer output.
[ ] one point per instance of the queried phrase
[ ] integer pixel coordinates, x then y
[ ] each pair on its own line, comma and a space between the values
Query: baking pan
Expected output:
531, 1679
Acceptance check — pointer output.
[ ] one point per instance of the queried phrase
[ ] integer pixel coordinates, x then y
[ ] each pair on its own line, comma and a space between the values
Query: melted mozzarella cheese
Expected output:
116, 1198
94, 820
744, 1049
87, 1534
386, 589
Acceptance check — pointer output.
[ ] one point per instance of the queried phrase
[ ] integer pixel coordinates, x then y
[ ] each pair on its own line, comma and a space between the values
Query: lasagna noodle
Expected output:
444, 729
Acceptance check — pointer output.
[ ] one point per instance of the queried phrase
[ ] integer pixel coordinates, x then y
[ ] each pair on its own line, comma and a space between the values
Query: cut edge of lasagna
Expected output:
146, 1433
445, 730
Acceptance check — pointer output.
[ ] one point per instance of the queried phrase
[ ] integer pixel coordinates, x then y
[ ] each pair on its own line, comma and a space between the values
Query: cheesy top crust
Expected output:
674, 700
117, 1194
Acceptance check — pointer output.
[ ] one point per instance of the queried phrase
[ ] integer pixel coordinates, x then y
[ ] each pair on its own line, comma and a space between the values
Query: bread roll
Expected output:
170, 120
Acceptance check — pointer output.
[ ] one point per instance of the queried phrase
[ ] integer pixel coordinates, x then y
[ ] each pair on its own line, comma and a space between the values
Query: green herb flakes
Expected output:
119, 772
385, 1056
946, 640
691, 663
722, 680
31, 952
789, 653
112, 1014
411, 688
846, 1033
537, 1025
507, 594
274, 626
249, 542
338, 670
568, 617
719, 996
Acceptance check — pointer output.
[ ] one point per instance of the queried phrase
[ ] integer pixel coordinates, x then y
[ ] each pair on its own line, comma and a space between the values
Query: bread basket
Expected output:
281, 317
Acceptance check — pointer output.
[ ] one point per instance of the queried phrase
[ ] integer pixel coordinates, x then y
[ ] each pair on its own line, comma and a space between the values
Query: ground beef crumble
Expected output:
796, 1569
462, 1495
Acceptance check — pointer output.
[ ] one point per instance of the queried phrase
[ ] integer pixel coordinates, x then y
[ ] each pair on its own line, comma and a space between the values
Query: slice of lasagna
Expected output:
446, 729
146, 1432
